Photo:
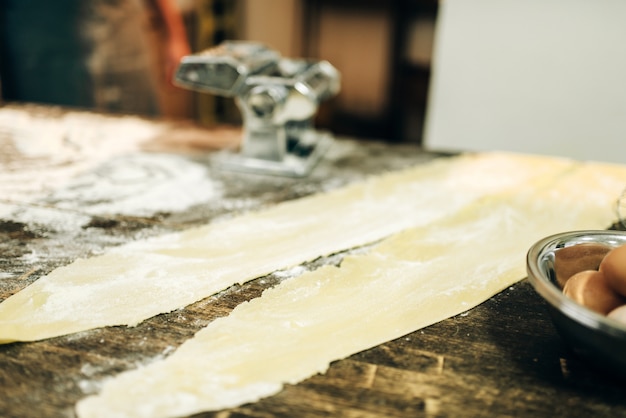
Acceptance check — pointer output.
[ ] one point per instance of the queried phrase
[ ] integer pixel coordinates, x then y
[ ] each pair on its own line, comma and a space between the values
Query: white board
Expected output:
546, 77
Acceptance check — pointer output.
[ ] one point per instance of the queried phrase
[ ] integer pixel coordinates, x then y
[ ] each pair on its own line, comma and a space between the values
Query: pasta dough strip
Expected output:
131, 283
408, 281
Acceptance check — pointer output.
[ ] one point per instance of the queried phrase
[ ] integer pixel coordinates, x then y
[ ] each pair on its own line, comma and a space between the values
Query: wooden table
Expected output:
502, 358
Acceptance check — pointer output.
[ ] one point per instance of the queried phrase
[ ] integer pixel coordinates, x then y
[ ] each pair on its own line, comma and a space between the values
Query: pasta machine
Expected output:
278, 98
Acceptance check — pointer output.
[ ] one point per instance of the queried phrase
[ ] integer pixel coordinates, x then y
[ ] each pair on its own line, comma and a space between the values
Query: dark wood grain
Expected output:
502, 358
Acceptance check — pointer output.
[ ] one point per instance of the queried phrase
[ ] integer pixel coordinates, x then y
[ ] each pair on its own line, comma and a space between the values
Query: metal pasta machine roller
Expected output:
278, 99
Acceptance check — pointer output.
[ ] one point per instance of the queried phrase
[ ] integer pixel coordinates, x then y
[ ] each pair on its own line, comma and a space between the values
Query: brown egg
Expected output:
590, 289
576, 258
619, 314
613, 266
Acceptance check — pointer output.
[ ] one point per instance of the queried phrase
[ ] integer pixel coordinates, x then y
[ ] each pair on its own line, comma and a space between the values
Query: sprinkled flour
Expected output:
39, 153
139, 185
90, 163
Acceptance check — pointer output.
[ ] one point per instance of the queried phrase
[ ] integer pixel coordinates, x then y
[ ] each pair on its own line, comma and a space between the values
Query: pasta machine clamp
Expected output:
277, 97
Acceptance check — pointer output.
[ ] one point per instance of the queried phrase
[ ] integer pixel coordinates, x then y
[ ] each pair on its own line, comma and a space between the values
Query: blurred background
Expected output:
118, 56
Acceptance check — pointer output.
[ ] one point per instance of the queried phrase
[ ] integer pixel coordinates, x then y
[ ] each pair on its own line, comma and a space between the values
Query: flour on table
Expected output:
40, 153
139, 185
90, 163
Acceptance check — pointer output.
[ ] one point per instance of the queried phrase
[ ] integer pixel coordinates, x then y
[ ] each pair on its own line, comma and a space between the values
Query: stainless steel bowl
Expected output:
595, 337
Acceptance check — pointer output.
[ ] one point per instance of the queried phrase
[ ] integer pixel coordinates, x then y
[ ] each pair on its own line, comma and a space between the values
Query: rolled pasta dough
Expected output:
410, 280
131, 283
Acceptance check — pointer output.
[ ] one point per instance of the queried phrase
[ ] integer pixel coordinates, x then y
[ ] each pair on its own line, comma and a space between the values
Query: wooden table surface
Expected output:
502, 358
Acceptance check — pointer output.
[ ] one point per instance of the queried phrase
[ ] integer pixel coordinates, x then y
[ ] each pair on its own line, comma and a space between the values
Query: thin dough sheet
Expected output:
410, 280
131, 283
